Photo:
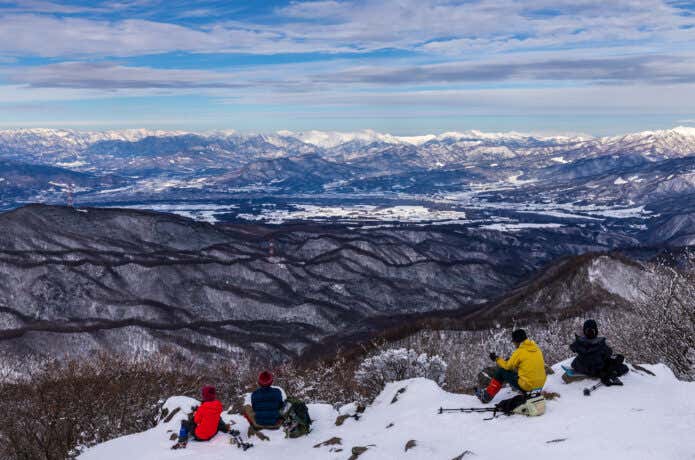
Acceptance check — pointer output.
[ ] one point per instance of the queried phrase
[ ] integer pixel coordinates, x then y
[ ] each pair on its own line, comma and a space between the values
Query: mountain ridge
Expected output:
123, 280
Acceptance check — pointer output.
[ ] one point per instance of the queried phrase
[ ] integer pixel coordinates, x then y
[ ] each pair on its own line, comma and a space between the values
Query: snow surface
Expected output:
195, 211
519, 226
358, 213
651, 417
516, 181
330, 139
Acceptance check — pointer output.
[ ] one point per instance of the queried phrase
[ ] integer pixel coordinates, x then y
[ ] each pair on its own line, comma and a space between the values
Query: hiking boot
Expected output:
179, 445
611, 381
483, 395
616, 381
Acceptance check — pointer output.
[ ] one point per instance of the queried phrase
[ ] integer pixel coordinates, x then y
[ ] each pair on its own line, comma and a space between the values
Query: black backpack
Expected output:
524, 404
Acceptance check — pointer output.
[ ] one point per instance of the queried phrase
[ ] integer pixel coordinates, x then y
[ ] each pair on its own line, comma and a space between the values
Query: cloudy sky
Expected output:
401, 66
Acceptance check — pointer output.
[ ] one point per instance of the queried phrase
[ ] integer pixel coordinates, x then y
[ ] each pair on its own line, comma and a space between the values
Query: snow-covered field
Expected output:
651, 417
200, 212
357, 213
518, 227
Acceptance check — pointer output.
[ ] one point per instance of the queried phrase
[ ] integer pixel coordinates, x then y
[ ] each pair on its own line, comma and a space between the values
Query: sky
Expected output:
399, 66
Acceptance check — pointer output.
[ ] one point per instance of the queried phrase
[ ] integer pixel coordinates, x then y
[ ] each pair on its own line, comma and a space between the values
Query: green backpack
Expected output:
297, 420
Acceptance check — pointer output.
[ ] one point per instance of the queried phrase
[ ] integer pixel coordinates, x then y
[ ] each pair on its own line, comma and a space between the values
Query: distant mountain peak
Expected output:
684, 130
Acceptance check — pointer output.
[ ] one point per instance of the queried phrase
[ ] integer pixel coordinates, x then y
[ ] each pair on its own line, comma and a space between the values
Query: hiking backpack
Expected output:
297, 420
529, 405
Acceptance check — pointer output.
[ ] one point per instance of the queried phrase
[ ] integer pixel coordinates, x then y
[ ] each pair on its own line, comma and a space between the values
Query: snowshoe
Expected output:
179, 445
483, 395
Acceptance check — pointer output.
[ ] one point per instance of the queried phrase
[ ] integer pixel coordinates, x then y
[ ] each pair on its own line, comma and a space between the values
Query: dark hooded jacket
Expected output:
591, 355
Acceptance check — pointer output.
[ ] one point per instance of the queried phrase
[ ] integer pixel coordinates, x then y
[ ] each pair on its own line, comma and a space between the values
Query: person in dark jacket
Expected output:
205, 422
592, 350
266, 404
594, 356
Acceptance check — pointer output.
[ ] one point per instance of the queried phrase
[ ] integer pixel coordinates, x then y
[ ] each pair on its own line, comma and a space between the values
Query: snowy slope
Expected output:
651, 417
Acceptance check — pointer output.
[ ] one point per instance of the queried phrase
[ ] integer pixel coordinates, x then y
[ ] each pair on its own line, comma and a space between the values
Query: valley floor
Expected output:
651, 417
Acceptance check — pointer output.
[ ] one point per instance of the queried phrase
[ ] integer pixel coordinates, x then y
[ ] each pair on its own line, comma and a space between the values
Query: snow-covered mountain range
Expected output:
460, 168
41, 141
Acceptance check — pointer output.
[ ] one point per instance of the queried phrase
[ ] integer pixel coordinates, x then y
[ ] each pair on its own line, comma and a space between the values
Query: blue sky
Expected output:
399, 66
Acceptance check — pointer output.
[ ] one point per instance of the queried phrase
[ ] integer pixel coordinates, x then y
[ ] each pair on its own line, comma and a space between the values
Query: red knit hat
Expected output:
265, 379
208, 393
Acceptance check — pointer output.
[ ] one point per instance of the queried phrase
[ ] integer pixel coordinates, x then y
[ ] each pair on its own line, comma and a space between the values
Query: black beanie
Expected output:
519, 336
590, 328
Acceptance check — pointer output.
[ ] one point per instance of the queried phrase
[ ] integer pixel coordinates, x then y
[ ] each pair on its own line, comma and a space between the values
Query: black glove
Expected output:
493, 356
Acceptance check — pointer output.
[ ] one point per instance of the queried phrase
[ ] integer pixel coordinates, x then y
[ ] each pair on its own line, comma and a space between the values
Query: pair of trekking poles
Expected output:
236, 435
494, 410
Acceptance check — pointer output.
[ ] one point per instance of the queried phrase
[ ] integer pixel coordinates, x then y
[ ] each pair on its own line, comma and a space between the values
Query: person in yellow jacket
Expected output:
524, 370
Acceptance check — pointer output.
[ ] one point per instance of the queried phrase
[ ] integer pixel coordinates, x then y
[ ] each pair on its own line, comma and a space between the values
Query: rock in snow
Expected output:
651, 417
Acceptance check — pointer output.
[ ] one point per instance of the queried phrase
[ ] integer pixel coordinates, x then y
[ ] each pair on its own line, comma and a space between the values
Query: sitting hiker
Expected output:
525, 369
594, 356
266, 404
205, 422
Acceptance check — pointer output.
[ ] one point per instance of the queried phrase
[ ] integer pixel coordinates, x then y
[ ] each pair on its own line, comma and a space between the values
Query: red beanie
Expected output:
208, 393
265, 379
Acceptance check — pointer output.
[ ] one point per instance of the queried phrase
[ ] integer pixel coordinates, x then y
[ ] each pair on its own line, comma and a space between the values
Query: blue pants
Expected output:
510, 377
188, 427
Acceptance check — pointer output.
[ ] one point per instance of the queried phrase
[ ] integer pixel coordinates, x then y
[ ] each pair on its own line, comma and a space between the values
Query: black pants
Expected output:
613, 367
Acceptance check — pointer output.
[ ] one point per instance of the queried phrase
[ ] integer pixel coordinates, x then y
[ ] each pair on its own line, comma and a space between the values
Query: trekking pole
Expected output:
236, 435
467, 409
588, 391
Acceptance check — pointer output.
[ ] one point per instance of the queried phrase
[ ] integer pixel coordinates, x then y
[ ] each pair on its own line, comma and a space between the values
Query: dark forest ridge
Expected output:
126, 281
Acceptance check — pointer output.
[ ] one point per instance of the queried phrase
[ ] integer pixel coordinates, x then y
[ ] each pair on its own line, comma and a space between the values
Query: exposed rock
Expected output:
357, 451
330, 442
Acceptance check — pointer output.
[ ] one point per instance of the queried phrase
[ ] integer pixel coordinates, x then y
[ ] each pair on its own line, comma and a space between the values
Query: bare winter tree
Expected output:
661, 326
398, 364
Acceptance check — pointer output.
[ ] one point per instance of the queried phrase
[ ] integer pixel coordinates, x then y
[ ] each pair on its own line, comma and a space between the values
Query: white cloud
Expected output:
433, 26
111, 76
48, 36
607, 100
316, 9
460, 46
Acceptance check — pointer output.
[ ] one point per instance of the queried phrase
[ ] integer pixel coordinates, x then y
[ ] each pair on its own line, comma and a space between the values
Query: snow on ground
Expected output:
564, 215
71, 164
626, 281
518, 227
516, 181
469, 199
651, 417
200, 212
625, 213
356, 213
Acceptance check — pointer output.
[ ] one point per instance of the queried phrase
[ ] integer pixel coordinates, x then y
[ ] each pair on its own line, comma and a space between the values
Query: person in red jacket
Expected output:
207, 420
